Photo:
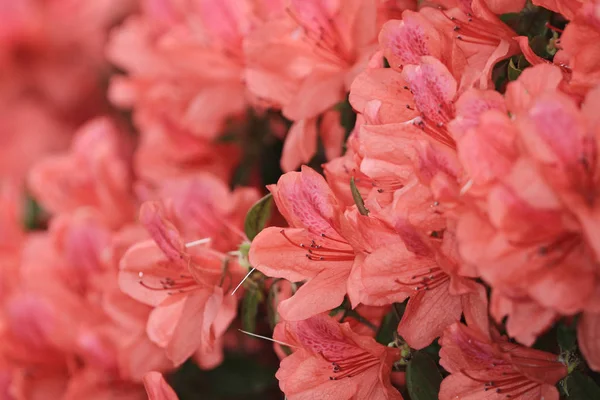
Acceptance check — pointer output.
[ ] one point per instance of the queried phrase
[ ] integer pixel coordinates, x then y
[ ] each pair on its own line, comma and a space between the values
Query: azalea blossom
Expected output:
458, 203
51, 57
181, 109
329, 359
324, 245
425, 271
490, 367
313, 248
202, 206
304, 62
93, 174
549, 184
188, 286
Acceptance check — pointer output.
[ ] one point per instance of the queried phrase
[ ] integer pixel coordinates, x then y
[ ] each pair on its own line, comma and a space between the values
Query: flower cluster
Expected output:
436, 166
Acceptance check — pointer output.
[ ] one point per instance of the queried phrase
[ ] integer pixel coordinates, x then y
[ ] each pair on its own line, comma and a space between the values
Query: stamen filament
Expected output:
198, 242
243, 280
268, 338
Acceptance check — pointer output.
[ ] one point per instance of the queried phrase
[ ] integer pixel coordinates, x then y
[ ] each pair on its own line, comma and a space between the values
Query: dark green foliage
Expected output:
390, 322
33, 216
240, 377
252, 301
423, 378
581, 387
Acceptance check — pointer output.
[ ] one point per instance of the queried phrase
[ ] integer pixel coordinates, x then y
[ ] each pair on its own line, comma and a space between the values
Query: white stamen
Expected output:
243, 280
268, 338
415, 121
466, 188
197, 242
141, 274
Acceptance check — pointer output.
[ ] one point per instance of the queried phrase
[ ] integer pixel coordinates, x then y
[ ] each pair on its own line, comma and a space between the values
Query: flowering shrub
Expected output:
300, 199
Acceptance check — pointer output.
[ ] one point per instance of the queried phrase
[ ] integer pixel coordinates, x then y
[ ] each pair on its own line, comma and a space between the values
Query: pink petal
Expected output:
475, 309
386, 88
320, 294
163, 320
526, 319
157, 388
588, 335
306, 201
386, 271
332, 134
320, 91
274, 255
531, 83
163, 232
145, 262
300, 144
406, 41
428, 313
434, 88
195, 326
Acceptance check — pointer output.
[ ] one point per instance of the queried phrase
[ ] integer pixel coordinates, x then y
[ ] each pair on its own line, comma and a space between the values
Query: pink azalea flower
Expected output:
202, 206
484, 367
329, 359
181, 109
304, 62
421, 270
93, 174
314, 248
531, 170
188, 286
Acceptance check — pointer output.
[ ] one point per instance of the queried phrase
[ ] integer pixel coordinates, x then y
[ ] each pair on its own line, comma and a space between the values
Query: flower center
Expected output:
472, 30
437, 130
320, 32
212, 224
352, 366
323, 251
513, 386
182, 284
429, 279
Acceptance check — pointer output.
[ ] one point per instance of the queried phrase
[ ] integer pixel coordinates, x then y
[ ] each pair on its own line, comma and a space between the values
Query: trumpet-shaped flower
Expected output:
490, 367
184, 284
330, 360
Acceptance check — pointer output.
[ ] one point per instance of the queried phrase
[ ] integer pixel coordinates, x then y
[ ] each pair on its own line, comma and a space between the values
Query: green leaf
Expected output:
390, 322
32, 215
423, 378
347, 115
513, 71
252, 299
539, 45
499, 75
529, 22
228, 138
238, 377
582, 387
566, 336
257, 217
360, 203
522, 62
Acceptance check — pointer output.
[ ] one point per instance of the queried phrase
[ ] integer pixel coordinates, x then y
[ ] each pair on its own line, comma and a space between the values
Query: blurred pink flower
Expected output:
94, 173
